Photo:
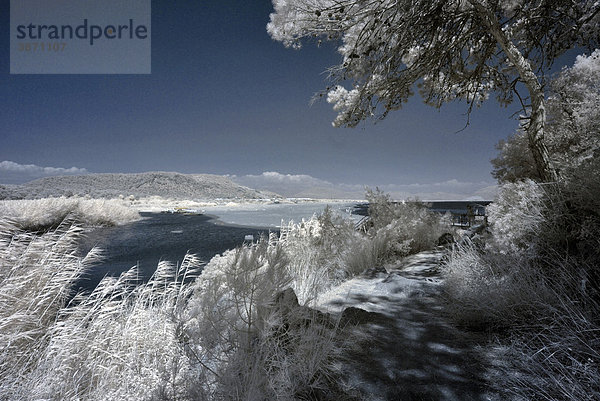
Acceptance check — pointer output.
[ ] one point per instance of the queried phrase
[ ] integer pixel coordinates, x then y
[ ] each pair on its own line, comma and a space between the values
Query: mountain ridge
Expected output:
155, 183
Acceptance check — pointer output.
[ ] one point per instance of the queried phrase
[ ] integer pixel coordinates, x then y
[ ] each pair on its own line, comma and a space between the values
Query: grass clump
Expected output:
122, 341
36, 276
321, 252
47, 213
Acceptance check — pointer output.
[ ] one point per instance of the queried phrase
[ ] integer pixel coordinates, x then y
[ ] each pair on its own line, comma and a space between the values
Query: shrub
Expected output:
319, 251
571, 218
403, 228
516, 217
238, 331
247, 344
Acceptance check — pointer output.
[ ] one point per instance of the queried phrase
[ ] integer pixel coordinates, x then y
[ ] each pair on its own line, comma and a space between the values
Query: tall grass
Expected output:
557, 355
249, 325
42, 214
243, 329
534, 283
36, 275
320, 253
121, 342
223, 336
492, 290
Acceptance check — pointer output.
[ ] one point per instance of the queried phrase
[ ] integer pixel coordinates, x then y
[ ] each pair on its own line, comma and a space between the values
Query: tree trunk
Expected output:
537, 117
535, 135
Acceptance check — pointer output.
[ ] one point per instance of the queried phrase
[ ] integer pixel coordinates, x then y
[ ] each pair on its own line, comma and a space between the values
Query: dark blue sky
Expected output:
224, 98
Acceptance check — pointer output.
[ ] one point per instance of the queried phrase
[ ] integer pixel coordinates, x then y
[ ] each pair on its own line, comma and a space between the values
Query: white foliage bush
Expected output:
249, 345
498, 285
403, 228
525, 257
321, 252
516, 216
251, 337
221, 337
41, 214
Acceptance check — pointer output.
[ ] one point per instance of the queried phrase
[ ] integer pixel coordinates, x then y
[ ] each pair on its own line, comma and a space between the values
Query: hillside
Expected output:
167, 185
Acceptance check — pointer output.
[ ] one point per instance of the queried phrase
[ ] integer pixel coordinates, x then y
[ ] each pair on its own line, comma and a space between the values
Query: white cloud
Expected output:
302, 185
15, 173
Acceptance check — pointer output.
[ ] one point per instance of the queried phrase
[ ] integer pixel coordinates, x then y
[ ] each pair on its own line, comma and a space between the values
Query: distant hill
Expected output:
167, 185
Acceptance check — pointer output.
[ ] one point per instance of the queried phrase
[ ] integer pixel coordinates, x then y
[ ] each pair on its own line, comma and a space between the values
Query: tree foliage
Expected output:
574, 113
573, 129
451, 49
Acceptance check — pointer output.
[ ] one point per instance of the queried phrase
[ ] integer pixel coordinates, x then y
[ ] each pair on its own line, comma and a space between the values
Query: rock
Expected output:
286, 302
290, 313
353, 315
445, 239
288, 319
375, 271
478, 229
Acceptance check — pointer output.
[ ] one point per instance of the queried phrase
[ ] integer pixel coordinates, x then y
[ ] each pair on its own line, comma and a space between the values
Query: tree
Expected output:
514, 161
574, 113
573, 128
449, 49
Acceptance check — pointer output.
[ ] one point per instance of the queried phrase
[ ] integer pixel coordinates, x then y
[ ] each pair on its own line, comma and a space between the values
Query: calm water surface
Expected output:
159, 236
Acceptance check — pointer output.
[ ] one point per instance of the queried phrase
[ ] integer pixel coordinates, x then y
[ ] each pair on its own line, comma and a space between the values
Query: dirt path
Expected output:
403, 348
